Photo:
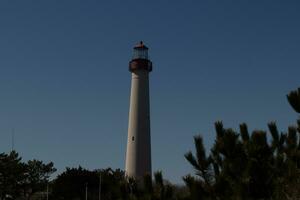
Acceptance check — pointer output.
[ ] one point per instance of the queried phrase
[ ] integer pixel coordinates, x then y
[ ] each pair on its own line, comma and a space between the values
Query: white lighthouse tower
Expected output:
138, 155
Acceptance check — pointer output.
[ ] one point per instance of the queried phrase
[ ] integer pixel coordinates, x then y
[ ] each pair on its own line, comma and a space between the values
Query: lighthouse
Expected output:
138, 154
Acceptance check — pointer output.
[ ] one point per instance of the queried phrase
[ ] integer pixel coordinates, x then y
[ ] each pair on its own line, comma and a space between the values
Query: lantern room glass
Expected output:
140, 53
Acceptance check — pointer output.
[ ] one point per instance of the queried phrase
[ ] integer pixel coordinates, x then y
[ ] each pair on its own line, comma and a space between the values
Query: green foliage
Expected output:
200, 162
37, 176
72, 183
244, 133
12, 173
22, 180
294, 99
246, 166
162, 189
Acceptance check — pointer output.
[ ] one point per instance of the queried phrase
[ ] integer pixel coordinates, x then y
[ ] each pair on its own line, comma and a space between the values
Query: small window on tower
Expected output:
132, 138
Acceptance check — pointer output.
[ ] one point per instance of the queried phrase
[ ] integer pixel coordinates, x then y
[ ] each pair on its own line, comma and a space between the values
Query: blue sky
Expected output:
64, 79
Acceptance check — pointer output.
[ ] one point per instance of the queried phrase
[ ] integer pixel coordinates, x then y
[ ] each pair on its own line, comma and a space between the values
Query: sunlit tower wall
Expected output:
138, 155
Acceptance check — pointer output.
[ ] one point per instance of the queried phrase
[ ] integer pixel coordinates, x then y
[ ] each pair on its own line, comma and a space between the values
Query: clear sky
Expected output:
64, 79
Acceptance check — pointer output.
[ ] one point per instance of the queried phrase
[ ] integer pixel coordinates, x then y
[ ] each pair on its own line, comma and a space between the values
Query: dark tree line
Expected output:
240, 165
21, 180
75, 182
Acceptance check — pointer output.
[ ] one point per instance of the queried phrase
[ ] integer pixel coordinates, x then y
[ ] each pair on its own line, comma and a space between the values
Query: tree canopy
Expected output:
22, 179
243, 165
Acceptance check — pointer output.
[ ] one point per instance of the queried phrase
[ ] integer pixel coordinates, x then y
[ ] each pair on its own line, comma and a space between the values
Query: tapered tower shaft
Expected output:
138, 156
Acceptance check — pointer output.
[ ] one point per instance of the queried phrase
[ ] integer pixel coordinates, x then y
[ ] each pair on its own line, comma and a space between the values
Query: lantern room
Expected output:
140, 59
140, 51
